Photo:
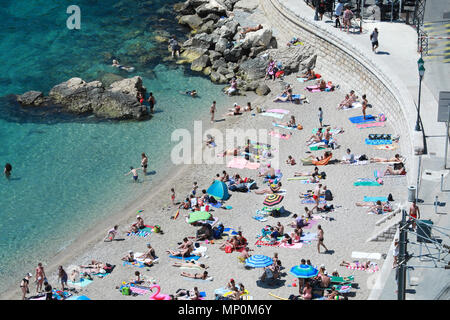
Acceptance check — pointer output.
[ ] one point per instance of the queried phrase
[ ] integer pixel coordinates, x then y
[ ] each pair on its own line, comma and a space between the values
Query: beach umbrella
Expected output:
198, 215
273, 199
258, 261
303, 271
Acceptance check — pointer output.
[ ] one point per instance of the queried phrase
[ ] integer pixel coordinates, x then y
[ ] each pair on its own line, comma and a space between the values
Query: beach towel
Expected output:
298, 178
310, 224
137, 264
185, 258
273, 115
283, 111
371, 125
366, 182
387, 146
332, 131
298, 97
377, 142
355, 105
311, 201
144, 232
279, 135
372, 268
296, 245
318, 146
252, 165
282, 126
359, 119
308, 237
237, 163
199, 280
374, 199
82, 283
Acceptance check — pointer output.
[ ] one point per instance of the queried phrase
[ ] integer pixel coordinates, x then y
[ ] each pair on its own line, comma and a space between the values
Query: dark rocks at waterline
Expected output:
76, 96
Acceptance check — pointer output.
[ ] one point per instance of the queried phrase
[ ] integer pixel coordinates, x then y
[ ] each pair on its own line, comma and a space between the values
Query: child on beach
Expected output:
172, 196
320, 117
111, 234
290, 161
194, 188
134, 172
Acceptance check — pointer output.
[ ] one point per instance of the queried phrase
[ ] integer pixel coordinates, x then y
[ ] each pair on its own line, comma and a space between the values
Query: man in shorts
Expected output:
374, 39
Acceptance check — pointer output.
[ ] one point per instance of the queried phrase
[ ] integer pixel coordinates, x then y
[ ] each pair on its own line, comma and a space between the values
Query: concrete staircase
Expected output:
387, 227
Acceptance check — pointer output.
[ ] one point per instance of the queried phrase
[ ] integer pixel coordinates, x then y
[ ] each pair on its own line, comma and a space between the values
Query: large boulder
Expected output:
214, 55
200, 63
184, 8
190, 54
221, 45
246, 5
31, 98
213, 6
219, 63
254, 69
119, 101
292, 57
193, 21
217, 77
258, 38
262, 90
233, 54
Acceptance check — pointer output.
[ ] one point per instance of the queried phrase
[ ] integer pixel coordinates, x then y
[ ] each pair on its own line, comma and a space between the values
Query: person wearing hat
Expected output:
24, 285
235, 111
150, 254
129, 257
231, 285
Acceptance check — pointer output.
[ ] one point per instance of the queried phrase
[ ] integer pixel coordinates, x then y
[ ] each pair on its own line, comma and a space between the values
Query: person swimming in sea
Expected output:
192, 93
118, 65
7, 170
134, 172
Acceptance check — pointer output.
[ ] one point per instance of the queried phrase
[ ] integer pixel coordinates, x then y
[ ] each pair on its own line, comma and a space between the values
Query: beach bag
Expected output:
126, 291
228, 249
322, 175
363, 158
156, 229
381, 117
300, 127
390, 197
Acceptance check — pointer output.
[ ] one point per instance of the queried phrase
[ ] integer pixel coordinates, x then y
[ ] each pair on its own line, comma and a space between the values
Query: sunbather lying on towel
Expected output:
309, 75
183, 294
325, 155
202, 276
334, 295
317, 137
357, 264
184, 250
251, 29
231, 152
236, 111
291, 123
395, 172
307, 173
129, 257
286, 95
272, 189
190, 264
377, 207
396, 158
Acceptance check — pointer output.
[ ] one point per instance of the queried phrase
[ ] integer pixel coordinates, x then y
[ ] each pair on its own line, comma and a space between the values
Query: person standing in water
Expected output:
144, 163
134, 172
212, 111
151, 101
7, 170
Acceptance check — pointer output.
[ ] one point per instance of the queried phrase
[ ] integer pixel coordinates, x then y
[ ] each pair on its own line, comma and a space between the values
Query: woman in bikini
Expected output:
397, 158
318, 137
202, 276
271, 190
309, 75
144, 163
286, 95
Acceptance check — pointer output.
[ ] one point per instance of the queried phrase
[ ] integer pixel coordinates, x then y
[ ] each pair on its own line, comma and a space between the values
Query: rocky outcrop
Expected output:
118, 101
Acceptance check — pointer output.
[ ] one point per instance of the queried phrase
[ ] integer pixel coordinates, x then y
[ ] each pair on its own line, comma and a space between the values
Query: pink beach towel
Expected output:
279, 135
311, 223
283, 111
297, 245
371, 269
370, 125
237, 163
252, 165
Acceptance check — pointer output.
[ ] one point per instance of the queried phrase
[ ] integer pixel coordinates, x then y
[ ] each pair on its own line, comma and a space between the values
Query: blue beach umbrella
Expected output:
303, 271
258, 261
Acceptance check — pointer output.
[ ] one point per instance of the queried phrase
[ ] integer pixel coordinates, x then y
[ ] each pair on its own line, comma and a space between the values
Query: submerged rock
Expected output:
31, 98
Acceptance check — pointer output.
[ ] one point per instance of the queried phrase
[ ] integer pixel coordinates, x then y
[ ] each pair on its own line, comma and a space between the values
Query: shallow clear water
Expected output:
69, 173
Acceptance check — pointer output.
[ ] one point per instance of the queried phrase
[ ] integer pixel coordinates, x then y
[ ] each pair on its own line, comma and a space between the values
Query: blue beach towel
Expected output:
377, 142
187, 258
134, 264
359, 119
374, 199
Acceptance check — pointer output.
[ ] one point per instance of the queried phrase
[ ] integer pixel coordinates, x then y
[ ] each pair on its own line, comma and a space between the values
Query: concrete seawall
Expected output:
344, 63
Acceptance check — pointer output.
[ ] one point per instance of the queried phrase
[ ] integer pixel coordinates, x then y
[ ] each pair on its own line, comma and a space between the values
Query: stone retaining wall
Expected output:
334, 56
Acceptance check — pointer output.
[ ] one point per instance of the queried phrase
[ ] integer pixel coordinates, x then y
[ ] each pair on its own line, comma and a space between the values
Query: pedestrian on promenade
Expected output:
212, 110
322, 8
414, 214
338, 13
374, 39
320, 239
347, 18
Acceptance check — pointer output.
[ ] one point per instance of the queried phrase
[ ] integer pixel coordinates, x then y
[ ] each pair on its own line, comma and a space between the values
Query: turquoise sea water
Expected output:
68, 173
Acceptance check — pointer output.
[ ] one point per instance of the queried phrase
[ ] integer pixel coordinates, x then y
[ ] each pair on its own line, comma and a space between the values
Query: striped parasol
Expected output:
258, 261
303, 271
273, 199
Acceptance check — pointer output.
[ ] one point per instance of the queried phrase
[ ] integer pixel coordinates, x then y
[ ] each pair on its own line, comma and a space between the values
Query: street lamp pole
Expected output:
421, 74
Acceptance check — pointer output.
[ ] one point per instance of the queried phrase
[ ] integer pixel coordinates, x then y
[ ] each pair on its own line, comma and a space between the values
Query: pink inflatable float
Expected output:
157, 296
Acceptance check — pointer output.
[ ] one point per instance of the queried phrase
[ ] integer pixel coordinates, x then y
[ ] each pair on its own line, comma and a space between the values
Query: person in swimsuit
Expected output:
233, 87
327, 136
111, 234
151, 102
291, 123
7, 170
118, 65
315, 137
251, 29
150, 254
24, 285
395, 172
271, 190
320, 239
134, 172
306, 293
144, 163
212, 110
286, 95
202, 276
129, 257
173, 43
303, 174
397, 158
270, 70
364, 106
236, 111
40, 277
192, 93
291, 161
62, 277
414, 213
309, 75
190, 264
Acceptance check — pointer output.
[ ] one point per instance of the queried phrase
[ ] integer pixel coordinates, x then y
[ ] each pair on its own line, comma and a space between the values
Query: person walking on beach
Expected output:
172, 196
151, 102
320, 117
62, 277
25, 285
338, 13
364, 106
374, 39
144, 163
134, 172
212, 110
320, 239
7, 170
40, 277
